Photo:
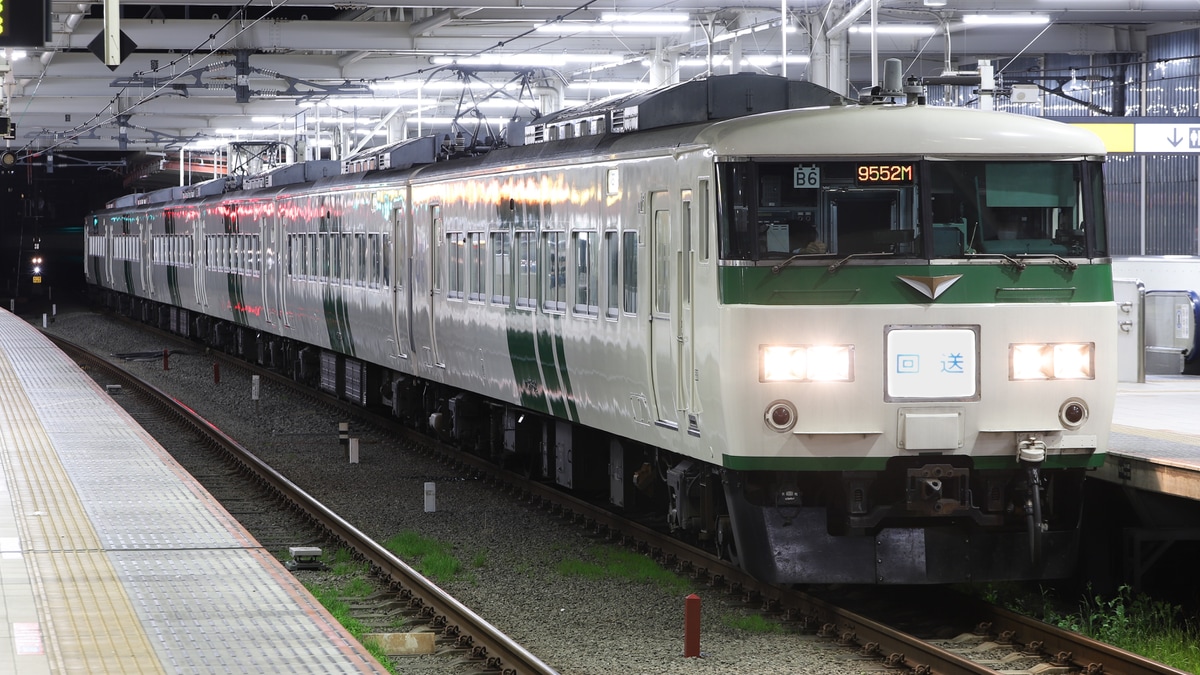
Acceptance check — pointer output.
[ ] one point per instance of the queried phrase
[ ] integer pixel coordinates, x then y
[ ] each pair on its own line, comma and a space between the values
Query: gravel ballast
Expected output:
577, 625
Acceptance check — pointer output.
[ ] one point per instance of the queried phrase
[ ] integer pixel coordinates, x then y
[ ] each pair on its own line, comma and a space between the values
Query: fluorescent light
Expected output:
609, 85
543, 59
1006, 19
632, 28
896, 29
753, 29
644, 17
723, 60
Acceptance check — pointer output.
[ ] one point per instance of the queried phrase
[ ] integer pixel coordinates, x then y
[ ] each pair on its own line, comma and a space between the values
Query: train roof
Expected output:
905, 130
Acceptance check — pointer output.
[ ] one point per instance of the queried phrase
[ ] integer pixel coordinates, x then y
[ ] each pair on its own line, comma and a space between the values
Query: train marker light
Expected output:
780, 415
1073, 413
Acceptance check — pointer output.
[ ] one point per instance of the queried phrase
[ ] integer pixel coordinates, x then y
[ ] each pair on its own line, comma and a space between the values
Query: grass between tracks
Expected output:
1136, 623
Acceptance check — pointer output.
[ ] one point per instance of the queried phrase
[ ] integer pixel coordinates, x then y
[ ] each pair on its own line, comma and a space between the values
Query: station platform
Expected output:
114, 560
1155, 441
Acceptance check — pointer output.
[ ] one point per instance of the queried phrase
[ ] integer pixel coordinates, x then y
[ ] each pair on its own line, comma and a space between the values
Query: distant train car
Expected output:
835, 342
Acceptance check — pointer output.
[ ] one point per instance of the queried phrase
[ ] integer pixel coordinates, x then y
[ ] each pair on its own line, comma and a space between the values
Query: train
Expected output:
834, 341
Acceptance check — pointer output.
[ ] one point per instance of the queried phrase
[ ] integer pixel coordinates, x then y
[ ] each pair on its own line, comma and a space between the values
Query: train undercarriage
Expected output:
922, 520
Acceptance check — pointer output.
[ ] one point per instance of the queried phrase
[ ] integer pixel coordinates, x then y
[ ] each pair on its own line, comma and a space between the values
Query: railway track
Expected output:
989, 632
491, 649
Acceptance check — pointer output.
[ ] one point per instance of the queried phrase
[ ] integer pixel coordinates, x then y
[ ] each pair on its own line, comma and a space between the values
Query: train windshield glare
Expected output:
777, 210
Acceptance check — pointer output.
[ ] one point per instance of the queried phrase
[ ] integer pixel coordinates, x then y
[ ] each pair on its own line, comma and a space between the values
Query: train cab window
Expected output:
1013, 208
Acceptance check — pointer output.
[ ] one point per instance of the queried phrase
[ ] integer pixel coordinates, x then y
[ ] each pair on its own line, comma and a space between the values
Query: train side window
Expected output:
526, 282
661, 279
363, 273
612, 270
586, 279
703, 227
456, 264
629, 271
501, 267
385, 261
478, 266
554, 272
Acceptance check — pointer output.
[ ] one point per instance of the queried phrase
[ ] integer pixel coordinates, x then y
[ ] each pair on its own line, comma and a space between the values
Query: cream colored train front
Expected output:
837, 342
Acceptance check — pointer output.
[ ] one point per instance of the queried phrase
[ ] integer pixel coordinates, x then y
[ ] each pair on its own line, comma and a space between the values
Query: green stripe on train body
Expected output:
337, 321
1041, 281
539, 364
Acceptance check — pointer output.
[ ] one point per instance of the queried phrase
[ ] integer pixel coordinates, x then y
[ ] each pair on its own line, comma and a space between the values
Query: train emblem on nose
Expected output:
931, 287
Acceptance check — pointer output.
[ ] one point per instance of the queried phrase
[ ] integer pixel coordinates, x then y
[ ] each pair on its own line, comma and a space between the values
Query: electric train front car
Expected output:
917, 304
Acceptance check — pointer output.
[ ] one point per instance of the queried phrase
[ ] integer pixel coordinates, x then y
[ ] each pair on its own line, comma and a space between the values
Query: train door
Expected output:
433, 270
199, 260
145, 261
271, 259
402, 300
687, 267
664, 329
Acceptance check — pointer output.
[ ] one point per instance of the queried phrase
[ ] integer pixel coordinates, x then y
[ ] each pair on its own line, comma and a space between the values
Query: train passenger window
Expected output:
385, 260
478, 265
554, 271
501, 267
612, 270
661, 279
363, 273
586, 279
704, 227
526, 271
629, 271
456, 264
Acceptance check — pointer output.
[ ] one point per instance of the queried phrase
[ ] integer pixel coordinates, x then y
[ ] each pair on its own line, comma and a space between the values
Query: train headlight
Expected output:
806, 363
1062, 361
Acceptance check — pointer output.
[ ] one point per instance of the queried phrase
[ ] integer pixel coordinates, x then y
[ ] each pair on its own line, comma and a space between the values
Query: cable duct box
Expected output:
1026, 93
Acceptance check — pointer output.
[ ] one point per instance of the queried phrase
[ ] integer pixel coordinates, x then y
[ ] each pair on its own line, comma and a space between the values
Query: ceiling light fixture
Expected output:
935, 3
1006, 19
544, 59
644, 17
896, 29
629, 27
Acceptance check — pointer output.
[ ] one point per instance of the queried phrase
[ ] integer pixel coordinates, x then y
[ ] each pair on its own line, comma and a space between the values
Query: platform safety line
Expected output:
1160, 434
67, 562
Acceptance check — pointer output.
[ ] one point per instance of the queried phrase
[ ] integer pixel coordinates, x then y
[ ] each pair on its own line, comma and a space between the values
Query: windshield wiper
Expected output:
1066, 263
838, 265
1012, 261
795, 256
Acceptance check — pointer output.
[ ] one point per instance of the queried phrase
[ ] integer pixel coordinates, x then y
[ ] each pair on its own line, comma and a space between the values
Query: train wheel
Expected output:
726, 546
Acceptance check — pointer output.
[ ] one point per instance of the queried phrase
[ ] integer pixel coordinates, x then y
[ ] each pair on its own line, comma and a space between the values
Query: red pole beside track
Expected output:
216, 373
691, 626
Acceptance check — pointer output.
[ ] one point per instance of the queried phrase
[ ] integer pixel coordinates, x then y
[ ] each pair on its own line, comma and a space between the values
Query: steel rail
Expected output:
455, 620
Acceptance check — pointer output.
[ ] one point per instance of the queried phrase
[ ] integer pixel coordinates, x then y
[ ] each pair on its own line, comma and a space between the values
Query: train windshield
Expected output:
909, 209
